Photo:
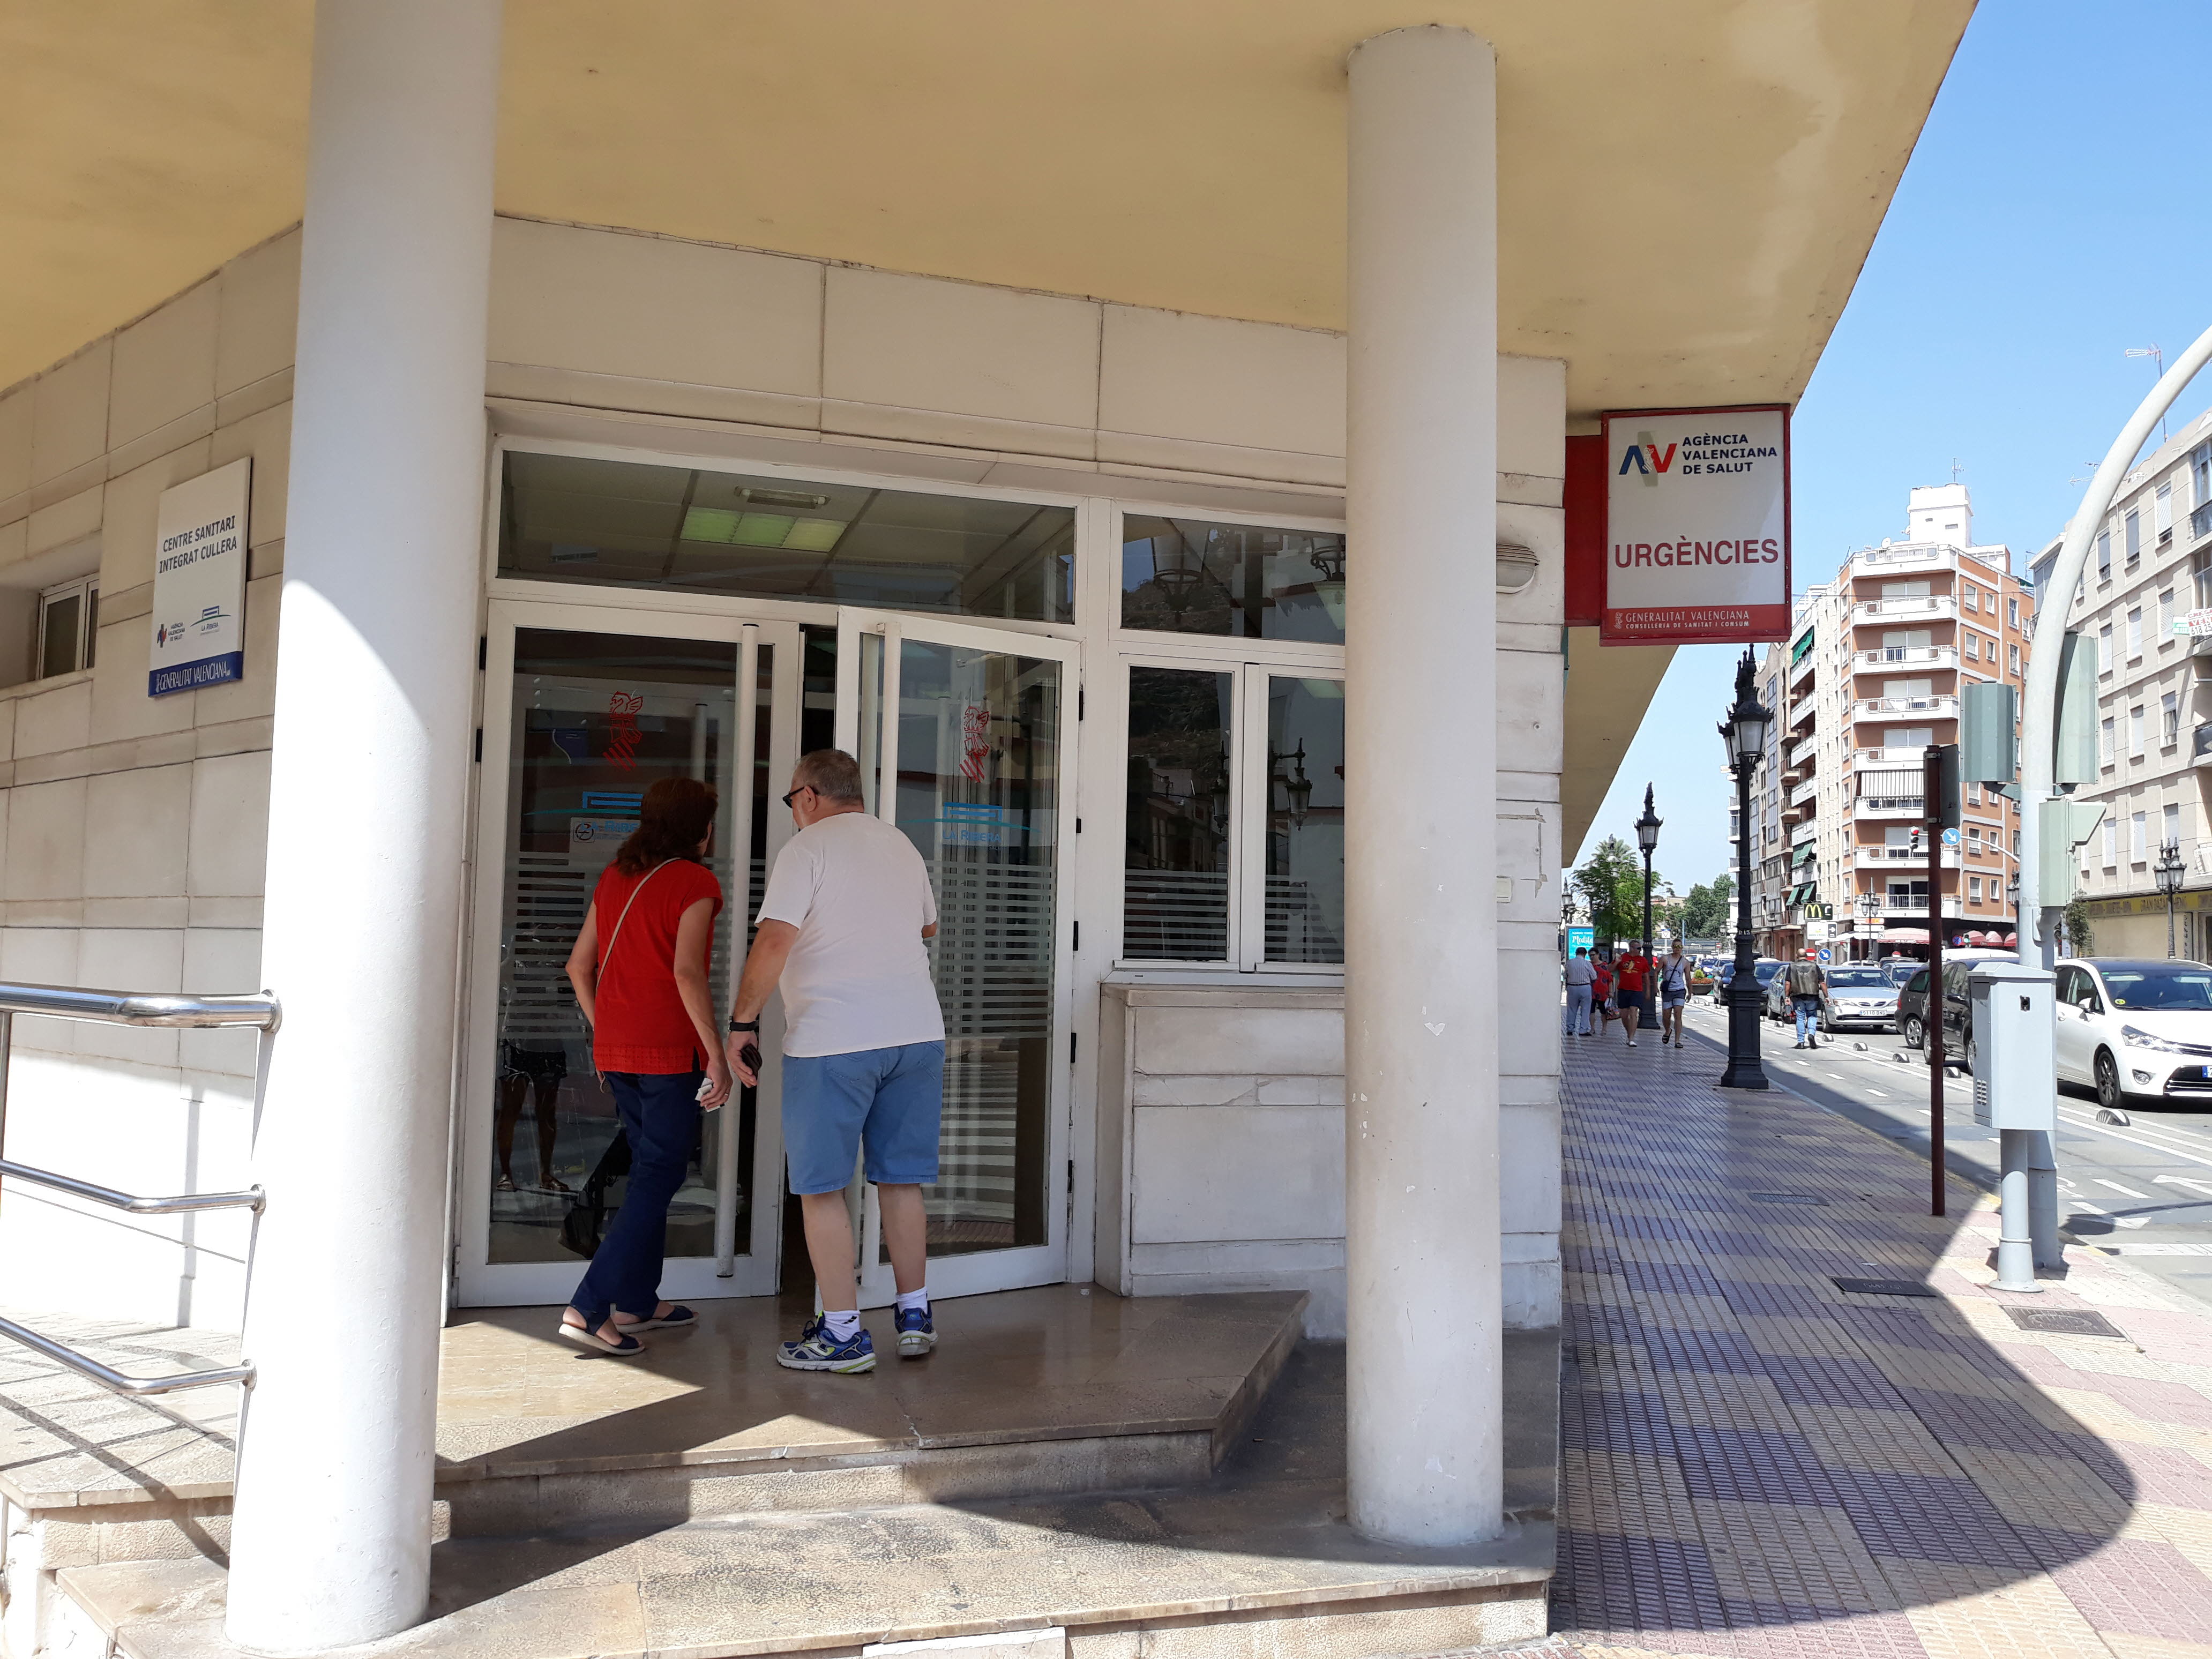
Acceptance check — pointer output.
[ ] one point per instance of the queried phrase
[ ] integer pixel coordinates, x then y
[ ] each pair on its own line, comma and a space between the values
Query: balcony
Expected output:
1806, 794
1902, 859
1902, 561
1801, 671
1873, 806
1805, 832
1937, 709
1890, 658
1926, 607
1798, 752
1912, 756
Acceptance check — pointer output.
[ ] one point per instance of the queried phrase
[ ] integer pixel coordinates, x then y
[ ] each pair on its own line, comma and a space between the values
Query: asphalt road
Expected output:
2141, 1189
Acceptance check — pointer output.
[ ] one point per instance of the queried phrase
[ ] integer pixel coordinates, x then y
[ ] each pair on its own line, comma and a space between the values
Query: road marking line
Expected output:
2183, 1180
2095, 1127
2117, 1187
2084, 1204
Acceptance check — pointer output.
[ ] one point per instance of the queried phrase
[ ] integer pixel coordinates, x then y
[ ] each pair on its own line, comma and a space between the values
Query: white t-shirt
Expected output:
859, 974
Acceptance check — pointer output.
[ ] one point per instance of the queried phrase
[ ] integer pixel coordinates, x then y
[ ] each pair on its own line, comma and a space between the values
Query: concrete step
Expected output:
1258, 1560
1043, 1393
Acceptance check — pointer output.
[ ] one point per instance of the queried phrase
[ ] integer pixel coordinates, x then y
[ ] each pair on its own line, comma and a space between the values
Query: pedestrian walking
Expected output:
1580, 977
1673, 993
1805, 980
639, 970
1629, 974
842, 927
1602, 991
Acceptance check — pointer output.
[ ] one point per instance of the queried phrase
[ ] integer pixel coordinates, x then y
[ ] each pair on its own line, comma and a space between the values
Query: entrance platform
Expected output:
1128, 1475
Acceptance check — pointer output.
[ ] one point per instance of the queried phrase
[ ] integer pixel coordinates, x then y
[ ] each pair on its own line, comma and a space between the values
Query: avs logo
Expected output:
1647, 459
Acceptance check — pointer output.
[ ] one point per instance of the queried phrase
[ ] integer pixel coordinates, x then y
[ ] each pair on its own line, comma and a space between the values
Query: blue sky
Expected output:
2053, 216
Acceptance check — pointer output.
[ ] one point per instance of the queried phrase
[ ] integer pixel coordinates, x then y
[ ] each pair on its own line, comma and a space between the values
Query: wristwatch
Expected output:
744, 1025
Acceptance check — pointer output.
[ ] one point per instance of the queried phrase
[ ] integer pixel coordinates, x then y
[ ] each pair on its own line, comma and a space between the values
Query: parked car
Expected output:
1860, 994
2135, 1031
1913, 1015
1765, 967
1899, 970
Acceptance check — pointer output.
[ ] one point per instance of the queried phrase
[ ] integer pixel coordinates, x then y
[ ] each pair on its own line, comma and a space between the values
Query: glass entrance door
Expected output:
964, 737
585, 710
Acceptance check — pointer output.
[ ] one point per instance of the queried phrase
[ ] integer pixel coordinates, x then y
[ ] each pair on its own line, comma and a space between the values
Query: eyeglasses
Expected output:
803, 789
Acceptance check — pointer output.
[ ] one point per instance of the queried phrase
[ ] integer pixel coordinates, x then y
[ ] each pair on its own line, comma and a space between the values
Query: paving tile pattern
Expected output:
1756, 1464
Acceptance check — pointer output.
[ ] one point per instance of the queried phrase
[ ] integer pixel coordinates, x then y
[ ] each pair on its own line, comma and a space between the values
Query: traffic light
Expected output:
2073, 748
1988, 716
2065, 826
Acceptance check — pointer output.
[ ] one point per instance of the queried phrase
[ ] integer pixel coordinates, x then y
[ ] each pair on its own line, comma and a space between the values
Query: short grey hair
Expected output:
830, 773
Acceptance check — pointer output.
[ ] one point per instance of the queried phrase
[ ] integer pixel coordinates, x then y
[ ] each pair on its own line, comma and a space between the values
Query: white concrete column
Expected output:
331, 1544
1420, 834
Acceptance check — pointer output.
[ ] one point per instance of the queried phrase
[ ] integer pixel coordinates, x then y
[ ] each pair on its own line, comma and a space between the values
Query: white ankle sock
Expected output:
840, 1326
915, 1299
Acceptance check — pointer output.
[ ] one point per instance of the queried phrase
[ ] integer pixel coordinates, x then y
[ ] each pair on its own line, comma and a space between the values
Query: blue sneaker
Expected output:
818, 1351
916, 1334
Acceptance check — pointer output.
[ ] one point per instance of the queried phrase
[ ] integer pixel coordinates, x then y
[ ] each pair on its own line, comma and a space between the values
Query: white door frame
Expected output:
480, 1282
985, 1270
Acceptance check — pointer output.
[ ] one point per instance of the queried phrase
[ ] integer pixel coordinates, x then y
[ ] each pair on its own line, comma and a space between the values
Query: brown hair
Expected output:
676, 817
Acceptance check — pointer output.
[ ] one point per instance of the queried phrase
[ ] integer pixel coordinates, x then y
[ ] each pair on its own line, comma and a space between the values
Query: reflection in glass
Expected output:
1175, 887
57, 637
1186, 576
564, 518
597, 718
978, 782
1306, 820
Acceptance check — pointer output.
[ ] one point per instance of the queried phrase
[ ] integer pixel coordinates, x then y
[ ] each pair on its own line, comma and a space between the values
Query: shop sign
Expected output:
1697, 535
199, 582
2194, 625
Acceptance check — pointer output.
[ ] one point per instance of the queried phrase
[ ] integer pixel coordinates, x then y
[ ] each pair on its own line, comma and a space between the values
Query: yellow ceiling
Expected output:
1688, 187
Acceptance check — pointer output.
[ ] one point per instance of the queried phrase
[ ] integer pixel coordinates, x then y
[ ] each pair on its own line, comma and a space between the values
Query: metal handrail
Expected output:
138, 1007
183, 1204
108, 1377
141, 1008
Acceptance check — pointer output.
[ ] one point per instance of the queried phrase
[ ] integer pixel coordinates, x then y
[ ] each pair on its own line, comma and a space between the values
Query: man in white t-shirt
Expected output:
842, 926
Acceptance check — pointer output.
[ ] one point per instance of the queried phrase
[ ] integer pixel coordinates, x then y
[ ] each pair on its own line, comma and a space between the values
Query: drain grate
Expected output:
2064, 1322
1880, 1287
1785, 1198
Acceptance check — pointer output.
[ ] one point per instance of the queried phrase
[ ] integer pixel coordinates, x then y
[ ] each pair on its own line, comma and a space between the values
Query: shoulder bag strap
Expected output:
608, 955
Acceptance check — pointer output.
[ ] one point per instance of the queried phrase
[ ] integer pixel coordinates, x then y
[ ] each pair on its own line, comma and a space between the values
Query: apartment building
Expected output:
2146, 600
1870, 676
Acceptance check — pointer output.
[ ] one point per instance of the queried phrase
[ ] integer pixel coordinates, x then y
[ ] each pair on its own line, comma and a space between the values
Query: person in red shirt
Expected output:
1602, 991
1629, 974
639, 970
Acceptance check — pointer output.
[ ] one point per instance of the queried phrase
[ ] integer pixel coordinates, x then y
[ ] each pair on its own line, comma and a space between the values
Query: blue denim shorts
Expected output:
887, 1101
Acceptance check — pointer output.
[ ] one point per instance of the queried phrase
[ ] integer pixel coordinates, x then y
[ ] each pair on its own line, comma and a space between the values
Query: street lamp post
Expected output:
1647, 837
2012, 898
1743, 734
1869, 905
2169, 870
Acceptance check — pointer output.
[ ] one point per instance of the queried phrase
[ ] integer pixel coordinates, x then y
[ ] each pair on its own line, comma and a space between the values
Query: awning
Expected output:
1904, 936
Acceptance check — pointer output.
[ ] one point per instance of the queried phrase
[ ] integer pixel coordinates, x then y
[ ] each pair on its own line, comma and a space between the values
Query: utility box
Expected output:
2014, 1026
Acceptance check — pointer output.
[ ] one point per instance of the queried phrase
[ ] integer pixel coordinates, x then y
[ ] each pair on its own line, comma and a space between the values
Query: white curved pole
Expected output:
2038, 713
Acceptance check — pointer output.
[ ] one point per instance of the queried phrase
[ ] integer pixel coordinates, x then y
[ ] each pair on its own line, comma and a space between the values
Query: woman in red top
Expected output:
1602, 991
639, 970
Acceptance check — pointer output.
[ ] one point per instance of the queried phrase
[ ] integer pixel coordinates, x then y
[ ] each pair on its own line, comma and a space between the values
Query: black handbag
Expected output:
584, 1225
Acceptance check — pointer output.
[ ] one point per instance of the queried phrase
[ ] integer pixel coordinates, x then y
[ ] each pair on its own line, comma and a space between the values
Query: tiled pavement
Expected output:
1755, 1463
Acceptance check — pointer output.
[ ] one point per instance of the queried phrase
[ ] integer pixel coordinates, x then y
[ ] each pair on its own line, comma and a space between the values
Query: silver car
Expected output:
1858, 994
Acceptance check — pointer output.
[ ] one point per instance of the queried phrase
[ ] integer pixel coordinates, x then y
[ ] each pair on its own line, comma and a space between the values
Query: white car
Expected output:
2137, 1028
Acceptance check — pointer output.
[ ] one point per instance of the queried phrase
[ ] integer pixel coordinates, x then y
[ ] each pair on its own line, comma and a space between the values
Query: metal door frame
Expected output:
1016, 1267
479, 1282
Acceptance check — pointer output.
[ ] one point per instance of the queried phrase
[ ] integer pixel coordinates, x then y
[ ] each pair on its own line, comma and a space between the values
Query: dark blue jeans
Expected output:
660, 1113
